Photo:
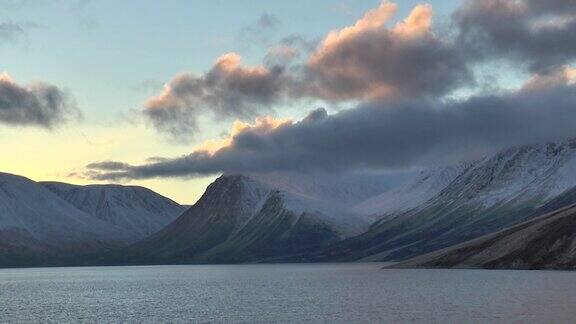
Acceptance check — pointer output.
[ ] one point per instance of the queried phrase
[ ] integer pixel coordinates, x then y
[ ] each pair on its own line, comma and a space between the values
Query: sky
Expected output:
171, 94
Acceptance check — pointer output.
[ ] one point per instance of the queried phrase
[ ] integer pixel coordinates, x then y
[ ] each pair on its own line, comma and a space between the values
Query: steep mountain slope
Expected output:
247, 218
413, 193
34, 221
484, 196
546, 242
137, 210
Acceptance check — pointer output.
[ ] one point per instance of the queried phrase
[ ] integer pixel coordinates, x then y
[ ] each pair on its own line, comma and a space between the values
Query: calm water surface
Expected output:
284, 293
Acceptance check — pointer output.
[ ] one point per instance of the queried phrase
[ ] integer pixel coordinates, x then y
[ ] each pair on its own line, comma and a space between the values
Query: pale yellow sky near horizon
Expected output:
44, 155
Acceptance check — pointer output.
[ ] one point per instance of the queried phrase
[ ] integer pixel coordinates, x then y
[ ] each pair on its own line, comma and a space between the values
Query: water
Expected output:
284, 293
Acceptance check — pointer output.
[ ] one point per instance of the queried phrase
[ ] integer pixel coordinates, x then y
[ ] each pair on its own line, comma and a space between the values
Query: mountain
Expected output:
35, 224
546, 242
249, 218
448, 206
343, 189
138, 211
46, 223
289, 217
419, 189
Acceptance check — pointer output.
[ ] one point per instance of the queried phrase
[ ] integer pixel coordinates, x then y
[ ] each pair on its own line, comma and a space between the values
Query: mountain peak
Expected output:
137, 210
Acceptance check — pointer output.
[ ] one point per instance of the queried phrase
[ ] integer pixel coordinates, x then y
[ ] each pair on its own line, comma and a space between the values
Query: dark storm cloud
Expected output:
38, 104
537, 34
554, 6
386, 135
315, 115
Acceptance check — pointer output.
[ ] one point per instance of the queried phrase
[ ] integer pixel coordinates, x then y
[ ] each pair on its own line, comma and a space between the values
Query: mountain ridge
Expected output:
284, 217
545, 242
489, 194
39, 227
138, 210
241, 218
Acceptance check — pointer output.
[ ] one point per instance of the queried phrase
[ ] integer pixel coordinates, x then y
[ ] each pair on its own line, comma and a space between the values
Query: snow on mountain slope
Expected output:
342, 189
530, 172
227, 205
528, 176
544, 170
422, 187
137, 210
480, 197
250, 218
34, 219
329, 196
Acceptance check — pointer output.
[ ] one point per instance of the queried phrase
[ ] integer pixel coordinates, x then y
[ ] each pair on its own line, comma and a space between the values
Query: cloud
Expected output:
564, 75
228, 90
107, 166
315, 115
533, 33
267, 21
369, 61
12, 32
260, 31
262, 125
281, 55
366, 61
37, 104
392, 134
289, 49
553, 6
402, 74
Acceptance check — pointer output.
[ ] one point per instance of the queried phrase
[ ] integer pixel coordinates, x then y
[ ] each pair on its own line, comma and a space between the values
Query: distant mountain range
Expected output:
43, 221
289, 217
137, 211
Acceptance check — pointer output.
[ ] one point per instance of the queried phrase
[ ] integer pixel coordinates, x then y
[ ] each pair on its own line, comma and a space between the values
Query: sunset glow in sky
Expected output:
170, 94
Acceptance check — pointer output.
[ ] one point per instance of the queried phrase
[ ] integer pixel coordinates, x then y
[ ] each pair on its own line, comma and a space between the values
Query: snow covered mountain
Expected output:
546, 242
446, 207
343, 189
422, 187
35, 221
138, 211
41, 223
245, 218
291, 217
